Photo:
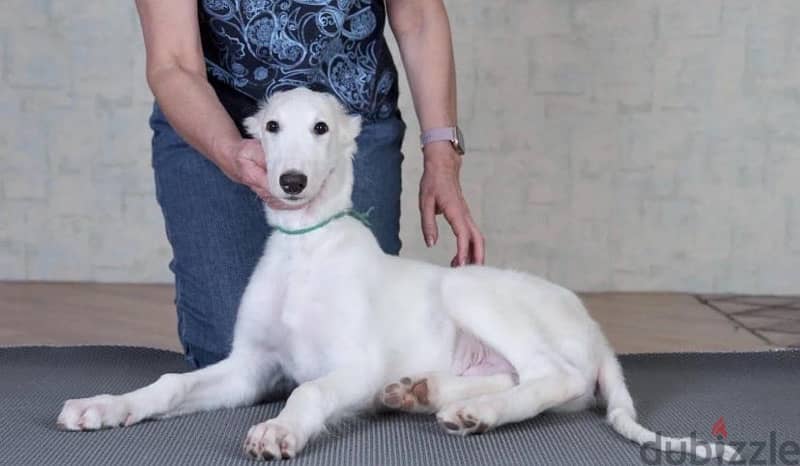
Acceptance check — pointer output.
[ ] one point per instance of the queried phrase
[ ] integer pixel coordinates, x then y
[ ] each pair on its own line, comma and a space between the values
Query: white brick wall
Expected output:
614, 144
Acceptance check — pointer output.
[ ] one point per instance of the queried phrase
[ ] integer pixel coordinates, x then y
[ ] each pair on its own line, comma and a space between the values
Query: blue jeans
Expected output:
217, 228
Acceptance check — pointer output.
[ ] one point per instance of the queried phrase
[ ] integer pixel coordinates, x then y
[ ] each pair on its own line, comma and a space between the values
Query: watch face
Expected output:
459, 142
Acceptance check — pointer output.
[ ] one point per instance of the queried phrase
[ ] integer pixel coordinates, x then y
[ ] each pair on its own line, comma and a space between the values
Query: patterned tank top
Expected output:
256, 47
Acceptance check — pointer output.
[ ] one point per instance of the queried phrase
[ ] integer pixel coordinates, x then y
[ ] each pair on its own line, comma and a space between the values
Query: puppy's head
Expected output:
306, 136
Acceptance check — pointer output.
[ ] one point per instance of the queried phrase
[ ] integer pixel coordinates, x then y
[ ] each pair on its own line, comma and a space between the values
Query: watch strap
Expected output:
438, 134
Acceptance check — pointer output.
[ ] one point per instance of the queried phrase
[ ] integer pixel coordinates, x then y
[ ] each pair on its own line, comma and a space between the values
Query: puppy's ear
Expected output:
351, 123
252, 125
352, 127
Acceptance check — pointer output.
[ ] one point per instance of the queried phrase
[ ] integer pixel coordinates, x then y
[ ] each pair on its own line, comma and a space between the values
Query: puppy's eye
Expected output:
321, 128
273, 126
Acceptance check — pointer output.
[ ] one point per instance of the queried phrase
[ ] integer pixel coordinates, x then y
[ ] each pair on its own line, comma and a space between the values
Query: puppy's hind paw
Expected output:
410, 395
466, 419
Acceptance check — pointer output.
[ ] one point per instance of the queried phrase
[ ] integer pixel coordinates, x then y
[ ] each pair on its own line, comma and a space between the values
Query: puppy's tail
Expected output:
622, 417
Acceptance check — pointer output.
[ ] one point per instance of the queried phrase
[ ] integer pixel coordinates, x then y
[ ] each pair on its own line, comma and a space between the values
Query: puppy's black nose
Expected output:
293, 182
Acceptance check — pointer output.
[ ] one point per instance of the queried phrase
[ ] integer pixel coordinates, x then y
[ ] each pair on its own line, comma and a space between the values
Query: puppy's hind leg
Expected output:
429, 392
234, 381
546, 390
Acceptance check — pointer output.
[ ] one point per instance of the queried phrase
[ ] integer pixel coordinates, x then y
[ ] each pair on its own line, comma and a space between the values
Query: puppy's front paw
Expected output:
466, 418
411, 395
271, 440
96, 412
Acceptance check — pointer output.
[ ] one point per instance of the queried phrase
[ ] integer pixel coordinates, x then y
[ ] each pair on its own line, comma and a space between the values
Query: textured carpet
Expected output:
757, 394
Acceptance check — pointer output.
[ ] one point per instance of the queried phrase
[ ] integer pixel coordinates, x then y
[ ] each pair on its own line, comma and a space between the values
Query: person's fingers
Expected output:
252, 175
478, 249
259, 161
462, 233
253, 151
247, 161
262, 193
427, 207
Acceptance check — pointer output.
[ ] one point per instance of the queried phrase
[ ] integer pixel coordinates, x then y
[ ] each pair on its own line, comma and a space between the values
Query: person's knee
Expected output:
198, 357
206, 316
378, 180
388, 237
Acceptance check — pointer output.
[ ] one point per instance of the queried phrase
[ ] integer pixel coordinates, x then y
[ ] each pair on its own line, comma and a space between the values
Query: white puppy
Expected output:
356, 328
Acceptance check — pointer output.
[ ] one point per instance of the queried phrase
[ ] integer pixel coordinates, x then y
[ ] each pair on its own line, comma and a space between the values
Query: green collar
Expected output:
361, 217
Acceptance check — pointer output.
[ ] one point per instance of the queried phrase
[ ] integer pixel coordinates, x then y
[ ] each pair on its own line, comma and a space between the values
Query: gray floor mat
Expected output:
755, 393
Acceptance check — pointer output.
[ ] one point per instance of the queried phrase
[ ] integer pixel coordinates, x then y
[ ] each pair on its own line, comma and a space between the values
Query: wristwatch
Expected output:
452, 134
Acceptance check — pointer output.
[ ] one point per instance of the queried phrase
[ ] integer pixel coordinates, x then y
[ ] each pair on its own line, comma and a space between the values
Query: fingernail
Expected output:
429, 241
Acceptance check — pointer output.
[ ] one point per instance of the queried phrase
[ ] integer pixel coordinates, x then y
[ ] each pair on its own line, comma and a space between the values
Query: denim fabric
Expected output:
217, 228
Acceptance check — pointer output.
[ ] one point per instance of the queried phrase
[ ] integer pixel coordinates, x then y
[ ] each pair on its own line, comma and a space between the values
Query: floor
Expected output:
775, 319
33, 313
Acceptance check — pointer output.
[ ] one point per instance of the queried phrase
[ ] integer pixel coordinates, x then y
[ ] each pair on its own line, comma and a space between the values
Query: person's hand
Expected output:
440, 193
245, 163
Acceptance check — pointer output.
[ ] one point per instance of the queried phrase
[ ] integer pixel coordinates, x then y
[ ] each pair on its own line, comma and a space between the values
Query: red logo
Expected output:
719, 429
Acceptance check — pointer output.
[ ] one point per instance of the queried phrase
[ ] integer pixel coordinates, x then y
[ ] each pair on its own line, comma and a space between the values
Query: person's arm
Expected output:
176, 73
422, 30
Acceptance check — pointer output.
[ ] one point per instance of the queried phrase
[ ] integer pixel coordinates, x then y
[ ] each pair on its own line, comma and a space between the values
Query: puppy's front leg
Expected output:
235, 381
307, 410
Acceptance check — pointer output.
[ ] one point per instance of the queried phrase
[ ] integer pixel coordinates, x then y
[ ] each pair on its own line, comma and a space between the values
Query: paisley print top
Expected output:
256, 47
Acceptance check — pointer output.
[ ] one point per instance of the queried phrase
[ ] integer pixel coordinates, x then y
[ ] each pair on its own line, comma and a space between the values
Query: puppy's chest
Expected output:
303, 307
314, 317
